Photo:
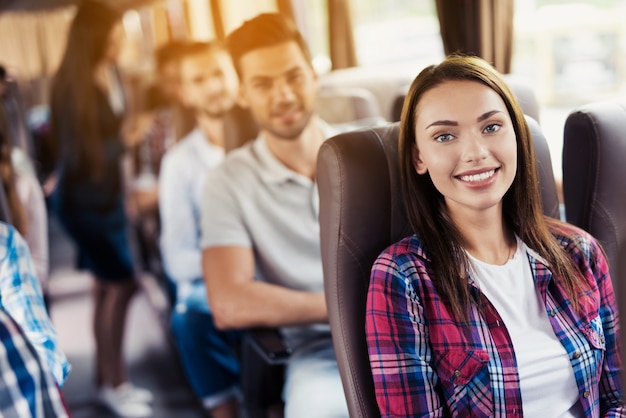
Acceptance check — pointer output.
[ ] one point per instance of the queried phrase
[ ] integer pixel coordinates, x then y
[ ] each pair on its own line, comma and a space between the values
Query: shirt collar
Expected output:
203, 146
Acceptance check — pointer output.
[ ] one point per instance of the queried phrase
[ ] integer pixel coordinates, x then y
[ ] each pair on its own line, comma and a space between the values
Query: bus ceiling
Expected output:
40, 5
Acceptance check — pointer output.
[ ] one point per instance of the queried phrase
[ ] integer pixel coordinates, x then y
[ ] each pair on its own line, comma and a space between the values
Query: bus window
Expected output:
572, 53
397, 32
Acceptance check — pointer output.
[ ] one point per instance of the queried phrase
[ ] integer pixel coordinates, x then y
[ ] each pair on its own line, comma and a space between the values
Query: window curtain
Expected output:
31, 46
478, 27
342, 50
286, 7
216, 15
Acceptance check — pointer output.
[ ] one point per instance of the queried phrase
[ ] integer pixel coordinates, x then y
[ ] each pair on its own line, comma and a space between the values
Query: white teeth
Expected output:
478, 177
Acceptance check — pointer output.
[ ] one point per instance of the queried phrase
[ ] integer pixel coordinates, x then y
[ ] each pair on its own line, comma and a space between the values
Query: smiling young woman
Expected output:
490, 308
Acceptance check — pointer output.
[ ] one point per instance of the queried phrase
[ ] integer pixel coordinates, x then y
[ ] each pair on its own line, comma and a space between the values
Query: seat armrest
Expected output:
268, 343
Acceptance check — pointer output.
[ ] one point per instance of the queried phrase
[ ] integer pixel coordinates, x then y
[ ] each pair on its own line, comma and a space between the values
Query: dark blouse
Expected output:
77, 189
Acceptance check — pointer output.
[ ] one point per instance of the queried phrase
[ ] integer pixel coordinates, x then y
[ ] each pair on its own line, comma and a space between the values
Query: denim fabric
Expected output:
207, 354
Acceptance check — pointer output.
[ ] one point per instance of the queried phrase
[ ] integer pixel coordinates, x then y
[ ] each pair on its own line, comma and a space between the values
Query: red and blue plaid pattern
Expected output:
426, 363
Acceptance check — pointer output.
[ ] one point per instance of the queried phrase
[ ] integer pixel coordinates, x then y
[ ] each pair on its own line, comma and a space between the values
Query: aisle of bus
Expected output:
149, 352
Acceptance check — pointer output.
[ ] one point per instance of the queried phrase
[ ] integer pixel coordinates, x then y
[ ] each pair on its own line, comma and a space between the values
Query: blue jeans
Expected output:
207, 354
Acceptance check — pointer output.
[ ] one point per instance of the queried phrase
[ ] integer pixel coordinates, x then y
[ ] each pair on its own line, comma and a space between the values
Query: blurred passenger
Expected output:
21, 299
260, 231
208, 84
165, 95
171, 120
489, 308
91, 132
12, 105
26, 204
33, 367
28, 388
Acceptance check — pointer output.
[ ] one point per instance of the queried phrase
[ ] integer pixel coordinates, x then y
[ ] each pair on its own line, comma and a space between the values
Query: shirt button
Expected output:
602, 340
586, 394
552, 313
457, 373
577, 354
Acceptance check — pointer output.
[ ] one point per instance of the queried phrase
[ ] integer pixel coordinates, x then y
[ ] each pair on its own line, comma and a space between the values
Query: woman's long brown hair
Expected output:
74, 102
522, 208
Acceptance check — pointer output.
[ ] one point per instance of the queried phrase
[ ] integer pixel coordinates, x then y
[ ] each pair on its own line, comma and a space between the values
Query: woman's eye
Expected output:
494, 127
443, 138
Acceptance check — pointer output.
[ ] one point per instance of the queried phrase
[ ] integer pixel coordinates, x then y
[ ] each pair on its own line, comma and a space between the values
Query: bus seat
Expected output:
347, 105
361, 213
523, 93
239, 126
594, 191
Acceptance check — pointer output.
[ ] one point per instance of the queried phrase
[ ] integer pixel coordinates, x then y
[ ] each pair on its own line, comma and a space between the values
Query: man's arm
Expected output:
238, 301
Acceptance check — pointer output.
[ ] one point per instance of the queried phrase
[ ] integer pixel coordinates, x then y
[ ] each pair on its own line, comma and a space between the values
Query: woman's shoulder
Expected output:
408, 248
574, 240
9, 238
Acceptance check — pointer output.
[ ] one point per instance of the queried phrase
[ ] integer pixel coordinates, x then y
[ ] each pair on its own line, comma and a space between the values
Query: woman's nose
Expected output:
475, 148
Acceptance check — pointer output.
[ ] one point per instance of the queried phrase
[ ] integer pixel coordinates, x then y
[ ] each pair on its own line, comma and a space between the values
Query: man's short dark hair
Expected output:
176, 50
264, 30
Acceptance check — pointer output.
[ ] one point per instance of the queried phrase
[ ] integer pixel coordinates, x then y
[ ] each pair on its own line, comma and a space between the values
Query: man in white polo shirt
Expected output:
260, 230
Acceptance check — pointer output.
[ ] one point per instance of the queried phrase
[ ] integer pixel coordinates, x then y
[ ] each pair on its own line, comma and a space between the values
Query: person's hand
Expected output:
135, 129
50, 184
146, 201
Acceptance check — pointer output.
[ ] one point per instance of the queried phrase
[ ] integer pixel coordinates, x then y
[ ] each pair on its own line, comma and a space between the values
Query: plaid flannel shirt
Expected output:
21, 298
27, 389
425, 363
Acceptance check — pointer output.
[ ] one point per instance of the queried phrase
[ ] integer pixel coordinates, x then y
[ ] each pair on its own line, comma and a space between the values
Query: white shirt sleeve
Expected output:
222, 217
180, 229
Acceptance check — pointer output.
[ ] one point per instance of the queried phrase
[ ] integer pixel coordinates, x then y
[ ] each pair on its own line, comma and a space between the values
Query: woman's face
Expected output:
466, 142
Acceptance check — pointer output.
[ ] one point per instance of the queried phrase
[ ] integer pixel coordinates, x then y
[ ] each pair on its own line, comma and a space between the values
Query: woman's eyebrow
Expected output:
481, 118
443, 123
487, 115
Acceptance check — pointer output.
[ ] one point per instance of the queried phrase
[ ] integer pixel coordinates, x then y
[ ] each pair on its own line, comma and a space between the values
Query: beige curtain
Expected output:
342, 49
218, 24
31, 46
479, 27
286, 7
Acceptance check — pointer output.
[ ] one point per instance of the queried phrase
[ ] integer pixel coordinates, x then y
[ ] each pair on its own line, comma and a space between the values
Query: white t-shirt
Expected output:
547, 379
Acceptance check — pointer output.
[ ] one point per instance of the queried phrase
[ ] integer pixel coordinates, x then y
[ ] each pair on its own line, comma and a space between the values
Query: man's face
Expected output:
208, 83
279, 87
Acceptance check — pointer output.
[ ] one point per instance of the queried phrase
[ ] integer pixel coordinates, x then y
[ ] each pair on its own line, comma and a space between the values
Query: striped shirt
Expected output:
425, 363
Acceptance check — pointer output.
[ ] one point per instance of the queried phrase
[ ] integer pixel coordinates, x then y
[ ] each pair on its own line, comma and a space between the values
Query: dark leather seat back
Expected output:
361, 213
594, 173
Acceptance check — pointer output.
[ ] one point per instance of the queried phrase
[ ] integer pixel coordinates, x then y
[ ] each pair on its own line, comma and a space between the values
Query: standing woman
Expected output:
490, 309
91, 134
